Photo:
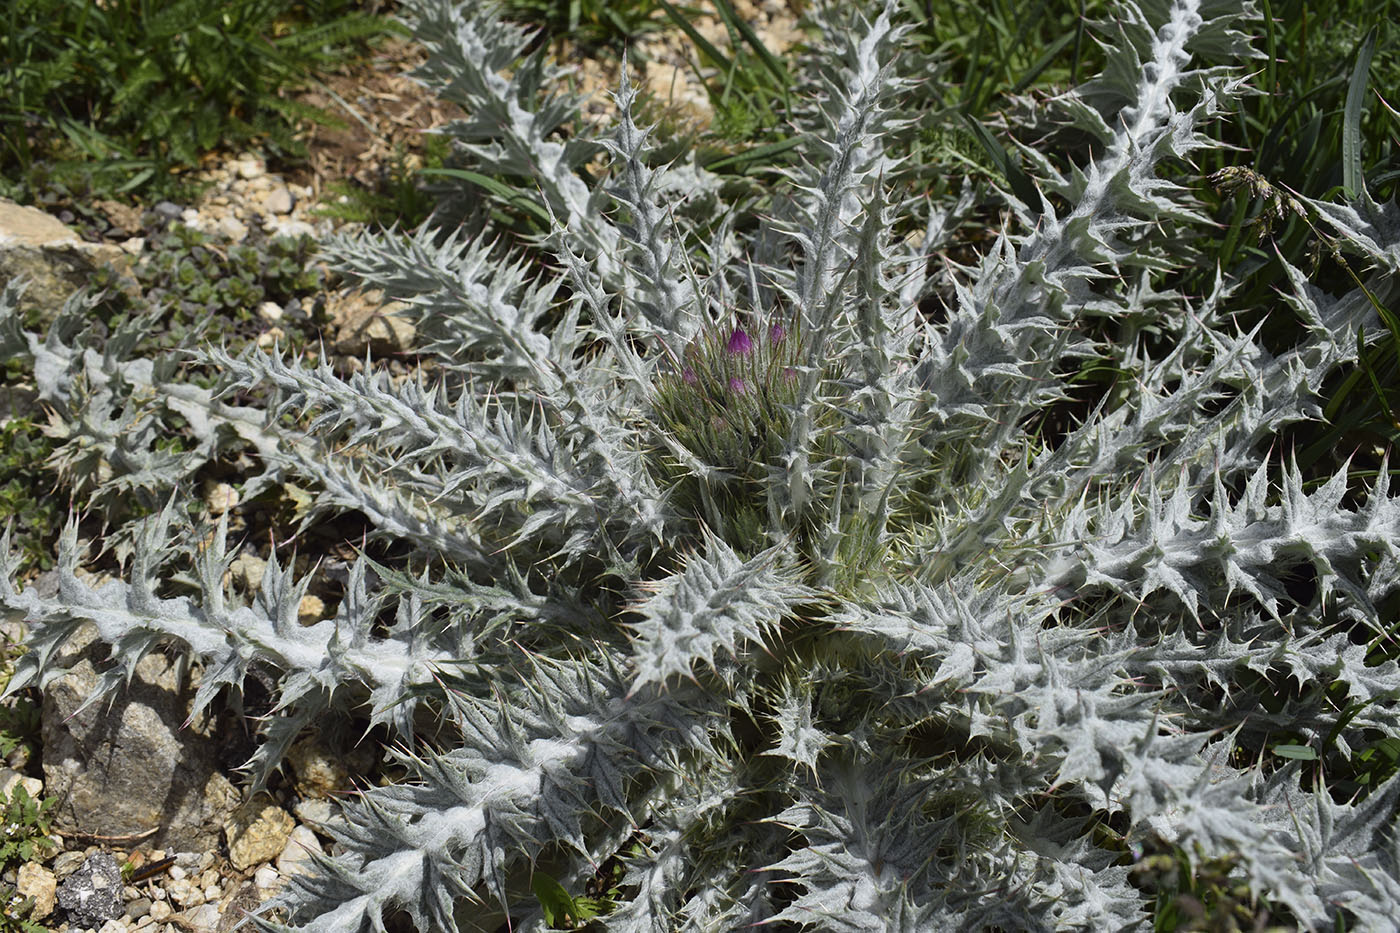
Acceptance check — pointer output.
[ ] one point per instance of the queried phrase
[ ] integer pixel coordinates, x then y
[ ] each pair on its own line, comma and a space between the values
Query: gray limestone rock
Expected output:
132, 767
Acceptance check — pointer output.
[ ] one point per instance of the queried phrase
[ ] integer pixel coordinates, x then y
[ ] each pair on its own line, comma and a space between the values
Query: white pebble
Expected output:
267, 879
203, 919
232, 228
278, 202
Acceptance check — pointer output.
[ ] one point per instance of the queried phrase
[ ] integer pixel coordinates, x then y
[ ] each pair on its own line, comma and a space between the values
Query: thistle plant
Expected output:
726, 561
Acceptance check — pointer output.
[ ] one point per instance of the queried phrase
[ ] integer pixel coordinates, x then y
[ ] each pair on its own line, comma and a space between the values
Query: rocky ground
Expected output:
153, 830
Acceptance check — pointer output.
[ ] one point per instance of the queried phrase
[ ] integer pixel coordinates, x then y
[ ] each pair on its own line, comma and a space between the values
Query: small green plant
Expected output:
16, 911
20, 721
561, 910
1200, 894
24, 826
198, 285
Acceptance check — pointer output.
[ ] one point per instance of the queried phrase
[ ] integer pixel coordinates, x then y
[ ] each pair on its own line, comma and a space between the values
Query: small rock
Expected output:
136, 908
184, 893
297, 856
92, 895
279, 201
319, 771
160, 910
113, 926
168, 210
257, 833
271, 338
311, 609
133, 245
189, 217
282, 226
36, 881
67, 863
122, 216
317, 812
233, 228
267, 880
220, 498
270, 311
248, 570
9, 778
250, 168
177, 873
203, 919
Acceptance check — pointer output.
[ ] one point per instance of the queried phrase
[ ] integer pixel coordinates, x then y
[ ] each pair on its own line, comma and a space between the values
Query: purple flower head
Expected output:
688, 376
789, 374
739, 343
737, 386
776, 333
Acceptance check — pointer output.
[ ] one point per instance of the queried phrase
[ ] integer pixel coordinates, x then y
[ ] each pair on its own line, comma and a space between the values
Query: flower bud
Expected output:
740, 343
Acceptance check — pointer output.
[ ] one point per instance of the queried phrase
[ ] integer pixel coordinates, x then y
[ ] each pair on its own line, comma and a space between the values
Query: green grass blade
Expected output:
1352, 176
1043, 62
494, 186
754, 154
1371, 375
705, 46
1020, 182
738, 24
